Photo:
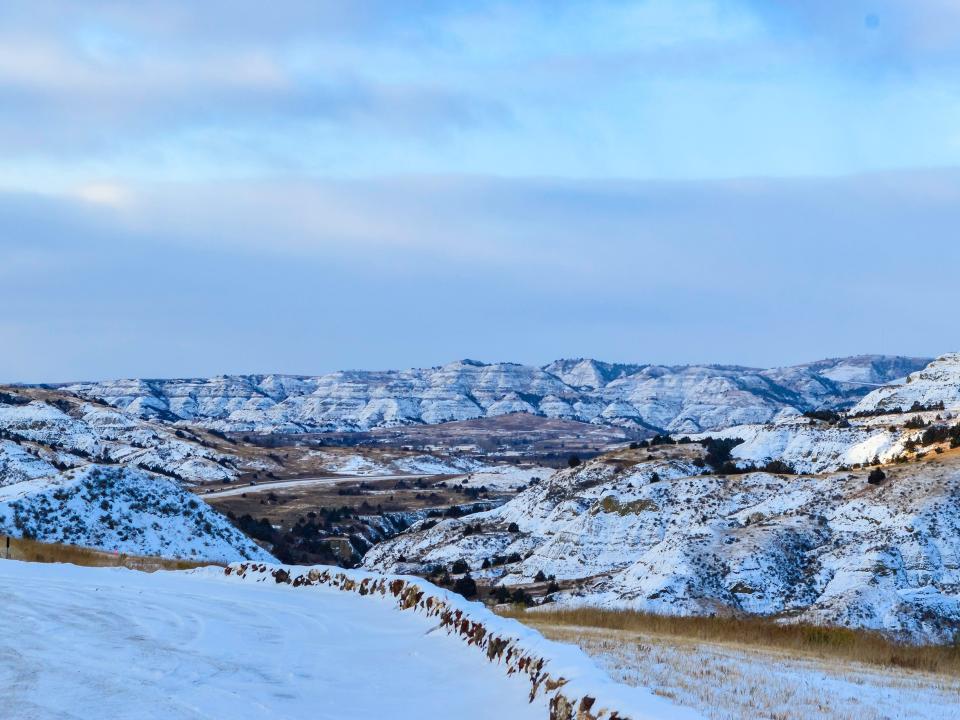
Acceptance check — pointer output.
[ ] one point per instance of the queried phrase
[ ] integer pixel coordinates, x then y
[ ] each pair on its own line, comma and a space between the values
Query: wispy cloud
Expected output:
304, 277
228, 185
652, 88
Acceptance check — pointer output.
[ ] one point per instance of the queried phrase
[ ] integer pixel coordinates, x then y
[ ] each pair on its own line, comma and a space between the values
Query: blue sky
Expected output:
194, 188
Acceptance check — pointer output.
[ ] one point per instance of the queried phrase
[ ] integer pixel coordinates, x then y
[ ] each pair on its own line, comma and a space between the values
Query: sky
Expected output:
189, 189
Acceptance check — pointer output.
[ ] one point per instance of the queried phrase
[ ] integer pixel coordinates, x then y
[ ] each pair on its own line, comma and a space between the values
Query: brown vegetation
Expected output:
34, 551
794, 638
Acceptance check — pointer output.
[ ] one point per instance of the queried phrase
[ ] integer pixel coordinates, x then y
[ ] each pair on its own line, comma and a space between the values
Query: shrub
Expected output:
521, 597
779, 467
718, 452
466, 586
876, 476
573, 461
459, 567
828, 416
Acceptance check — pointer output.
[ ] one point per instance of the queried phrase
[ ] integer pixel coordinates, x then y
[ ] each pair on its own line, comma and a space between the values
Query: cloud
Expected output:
104, 91
200, 279
195, 188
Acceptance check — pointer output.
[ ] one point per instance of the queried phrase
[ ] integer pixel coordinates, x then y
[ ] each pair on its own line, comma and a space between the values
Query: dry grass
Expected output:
794, 639
725, 681
33, 551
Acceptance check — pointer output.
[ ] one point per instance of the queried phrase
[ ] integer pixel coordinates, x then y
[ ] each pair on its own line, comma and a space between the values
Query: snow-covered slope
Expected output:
97, 642
937, 383
119, 509
385, 464
84, 474
808, 446
679, 399
72, 433
660, 536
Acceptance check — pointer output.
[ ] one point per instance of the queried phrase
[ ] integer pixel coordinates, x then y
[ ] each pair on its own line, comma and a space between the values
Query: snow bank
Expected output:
576, 687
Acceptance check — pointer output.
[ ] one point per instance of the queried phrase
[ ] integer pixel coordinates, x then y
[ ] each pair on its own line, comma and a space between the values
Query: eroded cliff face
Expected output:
658, 535
677, 399
935, 385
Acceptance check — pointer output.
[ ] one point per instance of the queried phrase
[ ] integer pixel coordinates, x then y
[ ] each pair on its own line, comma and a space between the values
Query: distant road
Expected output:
285, 484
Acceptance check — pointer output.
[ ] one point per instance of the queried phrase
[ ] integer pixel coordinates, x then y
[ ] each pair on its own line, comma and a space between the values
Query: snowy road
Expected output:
110, 643
287, 484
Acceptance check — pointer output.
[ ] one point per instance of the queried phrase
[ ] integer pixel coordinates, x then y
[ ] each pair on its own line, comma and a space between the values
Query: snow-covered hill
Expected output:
678, 399
387, 464
119, 509
935, 385
84, 474
658, 535
809, 446
71, 433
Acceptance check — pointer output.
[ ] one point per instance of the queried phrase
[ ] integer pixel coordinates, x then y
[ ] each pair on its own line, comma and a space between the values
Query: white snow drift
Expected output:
168, 646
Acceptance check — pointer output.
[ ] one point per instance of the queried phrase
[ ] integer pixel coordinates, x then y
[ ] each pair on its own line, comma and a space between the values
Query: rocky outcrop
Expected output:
935, 386
662, 536
662, 398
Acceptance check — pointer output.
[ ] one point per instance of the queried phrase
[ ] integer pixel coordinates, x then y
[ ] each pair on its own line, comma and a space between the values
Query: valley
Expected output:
844, 515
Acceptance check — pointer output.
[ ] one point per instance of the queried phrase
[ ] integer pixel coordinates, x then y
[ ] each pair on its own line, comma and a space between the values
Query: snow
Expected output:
17, 465
506, 477
546, 660
385, 465
108, 642
823, 549
811, 447
730, 683
92, 431
123, 510
679, 399
939, 382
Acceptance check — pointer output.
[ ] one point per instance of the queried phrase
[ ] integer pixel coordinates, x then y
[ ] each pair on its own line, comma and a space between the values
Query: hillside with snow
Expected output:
71, 433
88, 475
938, 384
119, 510
840, 518
663, 398
663, 537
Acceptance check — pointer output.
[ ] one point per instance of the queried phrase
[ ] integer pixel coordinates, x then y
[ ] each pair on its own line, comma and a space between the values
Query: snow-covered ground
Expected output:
90, 431
732, 683
115, 643
385, 464
507, 477
937, 383
812, 447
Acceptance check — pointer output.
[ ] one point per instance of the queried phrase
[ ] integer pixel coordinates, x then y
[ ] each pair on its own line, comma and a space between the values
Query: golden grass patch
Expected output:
34, 551
793, 638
